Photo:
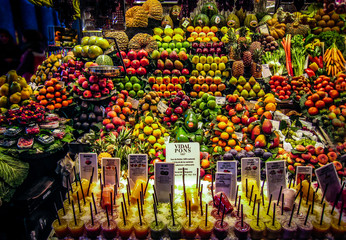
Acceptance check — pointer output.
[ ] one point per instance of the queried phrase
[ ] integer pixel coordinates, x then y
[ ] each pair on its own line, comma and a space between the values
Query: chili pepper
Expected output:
310, 72
320, 62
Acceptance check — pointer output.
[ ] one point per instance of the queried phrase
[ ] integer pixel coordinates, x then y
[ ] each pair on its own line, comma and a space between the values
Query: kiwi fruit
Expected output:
326, 29
336, 29
326, 18
330, 23
335, 16
340, 24
318, 31
318, 17
321, 23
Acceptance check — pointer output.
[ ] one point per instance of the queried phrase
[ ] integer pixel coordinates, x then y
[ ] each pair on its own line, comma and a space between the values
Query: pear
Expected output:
244, 93
261, 93
240, 88
3, 101
256, 87
15, 87
252, 94
252, 81
236, 92
233, 81
4, 90
241, 80
247, 86
260, 141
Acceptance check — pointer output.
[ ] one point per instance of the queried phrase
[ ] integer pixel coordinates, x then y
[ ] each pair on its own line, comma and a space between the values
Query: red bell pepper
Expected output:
320, 62
310, 72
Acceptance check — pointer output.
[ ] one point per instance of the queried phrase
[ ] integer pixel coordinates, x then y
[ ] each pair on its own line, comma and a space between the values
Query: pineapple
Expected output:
232, 51
238, 68
255, 45
103, 155
247, 58
256, 67
242, 40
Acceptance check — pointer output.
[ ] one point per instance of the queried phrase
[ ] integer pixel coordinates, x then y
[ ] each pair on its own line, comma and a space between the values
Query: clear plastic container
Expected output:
45, 139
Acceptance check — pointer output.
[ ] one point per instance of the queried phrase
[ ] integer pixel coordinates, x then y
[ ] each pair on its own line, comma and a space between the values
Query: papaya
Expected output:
25, 93
250, 20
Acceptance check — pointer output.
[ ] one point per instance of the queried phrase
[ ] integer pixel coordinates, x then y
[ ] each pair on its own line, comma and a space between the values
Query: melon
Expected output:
209, 9
250, 20
217, 20
233, 21
104, 60
201, 20
265, 19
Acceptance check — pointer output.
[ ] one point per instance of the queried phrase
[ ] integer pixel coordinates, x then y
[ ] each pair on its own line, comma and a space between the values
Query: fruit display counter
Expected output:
250, 102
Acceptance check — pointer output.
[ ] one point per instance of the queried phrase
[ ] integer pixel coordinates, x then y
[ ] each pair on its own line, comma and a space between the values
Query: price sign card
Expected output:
220, 100
184, 155
223, 183
88, 161
264, 29
164, 179
266, 71
303, 172
327, 175
134, 102
162, 107
229, 167
138, 167
276, 177
276, 124
250, 170
110, 165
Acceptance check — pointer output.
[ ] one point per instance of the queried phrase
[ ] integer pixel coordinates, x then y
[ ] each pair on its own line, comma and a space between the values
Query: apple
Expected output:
142, 53
132, 55
135, 64
144, 62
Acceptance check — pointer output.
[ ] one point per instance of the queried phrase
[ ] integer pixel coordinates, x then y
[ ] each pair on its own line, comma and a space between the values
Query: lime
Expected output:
136, 86
211, 104
179, 45
186, 44
165, 45
128, 86
140, 93
159, 44
120, 86
134, 79
132, 93
172, 45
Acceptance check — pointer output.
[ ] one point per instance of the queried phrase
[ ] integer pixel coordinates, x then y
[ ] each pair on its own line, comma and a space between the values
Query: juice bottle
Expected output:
221, 232
174, 231
241, 231
125, 231
205, 231
273, 231
190, 231
192, 195
289, 232
92, 231
256, 232
141, 231
76, 230
157, 231
61, 231
109, 231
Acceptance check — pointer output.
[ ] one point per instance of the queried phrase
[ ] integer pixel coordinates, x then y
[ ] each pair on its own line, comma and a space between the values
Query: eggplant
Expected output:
83, 117
259, 152
97, 111
85, 126
250, 154
267, 155
91, 117
84, 105
77, 125
228, 156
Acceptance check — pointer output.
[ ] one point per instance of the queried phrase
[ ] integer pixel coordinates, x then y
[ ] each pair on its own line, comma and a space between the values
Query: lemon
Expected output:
158, 31
211, 73
222, 66
161, 140
224, 30
206, 39
213, 66
217, 72
167, 39
194, 34
149, 120
202, 59
217, 60
168, 32
157, 38
199, 66
202, 35
141, 137
199, 39
190, 39
224, 59
154, 126
137, 126
215, 39
210, 34
157, 146
151, 139
210, 59
147, 130
203, 73
157, 133
206, 67
225, 39
152, 152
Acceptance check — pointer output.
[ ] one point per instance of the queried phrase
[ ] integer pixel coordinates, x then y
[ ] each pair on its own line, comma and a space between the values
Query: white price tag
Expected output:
110, 164
88, 161
223, 183
164, 179
250, 171
263, 29
327, 176
138, 167
220, 100
168, 26
302, 173
239, 135
266, 71
162, 107
185, 23
276, 177
276, 124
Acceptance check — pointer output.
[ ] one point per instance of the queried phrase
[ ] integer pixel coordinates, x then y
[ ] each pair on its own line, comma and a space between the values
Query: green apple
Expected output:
186, 44
179, 45
172, 45
132, 93
128, 86
169, 50
140, 93
136, 86
165, 45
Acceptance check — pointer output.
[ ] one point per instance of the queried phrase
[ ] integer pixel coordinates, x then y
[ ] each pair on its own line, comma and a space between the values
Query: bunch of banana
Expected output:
40, 3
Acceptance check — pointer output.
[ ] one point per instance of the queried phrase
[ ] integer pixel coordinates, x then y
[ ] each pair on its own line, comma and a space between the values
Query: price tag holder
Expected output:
276, 177
62, 83
220, 100
229, 167
168, 26
138, 167
303, 172
184, 155
185, 24
264, 29
162, 107
266, 71
110, 164
250, 170
327, 175
306, 64
88, 161
133, 102
223, 183
164, 179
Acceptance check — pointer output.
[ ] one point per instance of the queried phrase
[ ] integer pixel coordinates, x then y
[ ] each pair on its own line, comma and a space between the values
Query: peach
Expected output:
319, 150
306, 156
311, 149
300, 148
322, 158
338, 165
332, 156
313, 160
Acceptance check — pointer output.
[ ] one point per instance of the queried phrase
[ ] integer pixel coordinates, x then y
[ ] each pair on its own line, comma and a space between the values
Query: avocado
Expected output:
77, 125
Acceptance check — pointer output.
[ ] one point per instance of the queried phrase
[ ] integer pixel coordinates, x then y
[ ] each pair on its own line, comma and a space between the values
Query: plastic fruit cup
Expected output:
241, 231
174, 231
92, 231
215, 214
61, 231
289, 232
157, 231
190, 231
221, 232
338, 231
256, 232
109, 231
319, 231
76, 230
205, 231
304, 231
61, 212
141, 231
125, 231
273, 231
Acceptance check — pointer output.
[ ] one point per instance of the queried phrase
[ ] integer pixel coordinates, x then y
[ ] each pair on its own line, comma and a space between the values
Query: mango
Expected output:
5, 89
16, 98
15, 87
3, 101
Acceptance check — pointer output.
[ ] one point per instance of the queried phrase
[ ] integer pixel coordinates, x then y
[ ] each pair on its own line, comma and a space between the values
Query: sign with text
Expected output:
223, 183
184, 155
303, 172
88, 161
164, 179
250, 170
229, 167
266, 71
327, 175
162, 107
138, 168
110, 164
220, 100
133, 102
276, 177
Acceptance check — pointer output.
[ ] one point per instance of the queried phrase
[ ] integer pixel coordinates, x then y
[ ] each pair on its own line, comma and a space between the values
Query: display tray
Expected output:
98, 99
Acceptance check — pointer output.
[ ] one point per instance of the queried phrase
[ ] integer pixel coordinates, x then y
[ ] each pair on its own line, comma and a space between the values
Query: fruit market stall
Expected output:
212, 121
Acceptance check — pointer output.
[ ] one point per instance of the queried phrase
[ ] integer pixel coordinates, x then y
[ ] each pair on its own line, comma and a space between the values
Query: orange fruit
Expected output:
224, 119
64, 97
58, 86
43, 102
221, 87
227, 148
63, 91
50, 89
64, 103
41, 97
49, 95
54, 80
57, 105
49, 83
224, 136
313, 111
205, 163
218, 118
50, 107
232, 142
222, 143
59, 100
206, 29
70, 101
229, 130
222, 125
270, 107
215, 139
320, 104
43, 91
315, 97
190, 28
309, 103
117, 108
57, 94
